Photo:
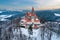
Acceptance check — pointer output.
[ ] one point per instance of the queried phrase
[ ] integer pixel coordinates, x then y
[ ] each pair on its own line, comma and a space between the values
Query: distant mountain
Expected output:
49, 15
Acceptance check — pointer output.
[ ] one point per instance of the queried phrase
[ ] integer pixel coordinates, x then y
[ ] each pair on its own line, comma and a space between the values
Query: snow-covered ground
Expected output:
36, 34
55, 37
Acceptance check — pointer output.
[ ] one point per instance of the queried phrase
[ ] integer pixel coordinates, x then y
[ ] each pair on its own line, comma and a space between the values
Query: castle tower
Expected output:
32, 9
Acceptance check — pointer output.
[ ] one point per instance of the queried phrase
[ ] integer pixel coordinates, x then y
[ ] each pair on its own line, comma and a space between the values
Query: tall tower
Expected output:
32, 9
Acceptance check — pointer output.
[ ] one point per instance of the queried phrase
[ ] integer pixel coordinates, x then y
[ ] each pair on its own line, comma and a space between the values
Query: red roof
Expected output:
31, 14
28, 20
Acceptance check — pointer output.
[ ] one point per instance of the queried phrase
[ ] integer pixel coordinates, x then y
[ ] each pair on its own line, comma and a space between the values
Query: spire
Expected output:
32, 9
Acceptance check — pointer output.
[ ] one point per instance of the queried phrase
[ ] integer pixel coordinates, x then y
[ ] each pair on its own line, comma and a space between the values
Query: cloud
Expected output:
47, 2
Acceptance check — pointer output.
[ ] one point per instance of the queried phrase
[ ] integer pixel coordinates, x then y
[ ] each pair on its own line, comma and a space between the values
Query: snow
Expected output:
55, 37
56, 14
24, 31
1, 11
36, 34
5, 16
2, 19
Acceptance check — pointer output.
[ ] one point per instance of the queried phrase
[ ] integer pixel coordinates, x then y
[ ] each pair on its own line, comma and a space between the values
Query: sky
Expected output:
28, 4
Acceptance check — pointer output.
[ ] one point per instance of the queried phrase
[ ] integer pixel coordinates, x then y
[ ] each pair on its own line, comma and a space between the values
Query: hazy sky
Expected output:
27, 4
